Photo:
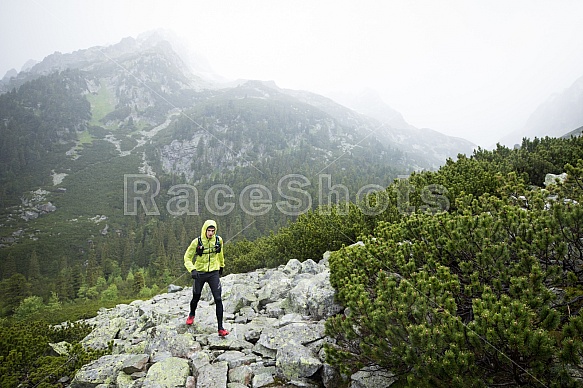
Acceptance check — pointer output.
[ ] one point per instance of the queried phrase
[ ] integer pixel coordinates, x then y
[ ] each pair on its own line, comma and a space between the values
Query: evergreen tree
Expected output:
76, 281
127, 257
161, 262
14, 290
9, 267
93, 270
33, 267
139, 282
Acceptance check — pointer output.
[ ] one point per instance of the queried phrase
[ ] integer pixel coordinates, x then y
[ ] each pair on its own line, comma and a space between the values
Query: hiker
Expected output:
207, 268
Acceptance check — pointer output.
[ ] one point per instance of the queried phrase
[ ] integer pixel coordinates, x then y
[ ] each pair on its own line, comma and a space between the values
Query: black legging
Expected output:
213, 279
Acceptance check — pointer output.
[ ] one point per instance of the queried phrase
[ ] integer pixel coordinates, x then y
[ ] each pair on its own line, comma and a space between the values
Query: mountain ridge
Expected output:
161, 39
141, 112
397, 131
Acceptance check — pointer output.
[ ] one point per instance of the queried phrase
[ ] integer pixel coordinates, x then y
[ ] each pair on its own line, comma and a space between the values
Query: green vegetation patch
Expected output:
25, 357
84, 137
102, 103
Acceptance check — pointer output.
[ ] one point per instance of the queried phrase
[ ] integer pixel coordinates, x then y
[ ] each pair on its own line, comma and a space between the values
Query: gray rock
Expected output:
331, 377
314, 296
124, 380
262, 380
298, 333
136, 363
235, 358
276, 319
289, 318
164, 338
229, 342
552, 179
237, 385
237, 297
200, 359
296, 361
159, 356
292, 268
273, 288
101, 371
173, 288
60, 348
275, 309
46, 207
242, 374
213, 375
371, 377
171, 372
311, 267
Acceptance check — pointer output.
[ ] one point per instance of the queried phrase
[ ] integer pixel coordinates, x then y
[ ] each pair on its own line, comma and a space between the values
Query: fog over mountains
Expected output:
76, 124
388, 125
558, 115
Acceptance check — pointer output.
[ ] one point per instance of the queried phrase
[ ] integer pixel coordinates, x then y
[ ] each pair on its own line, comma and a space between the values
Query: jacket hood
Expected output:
205, 226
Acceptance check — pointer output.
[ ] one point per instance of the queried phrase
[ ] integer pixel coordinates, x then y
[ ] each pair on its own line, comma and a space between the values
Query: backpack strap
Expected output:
200, 247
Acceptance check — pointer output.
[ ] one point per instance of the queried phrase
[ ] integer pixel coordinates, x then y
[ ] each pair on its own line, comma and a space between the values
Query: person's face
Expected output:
210, 232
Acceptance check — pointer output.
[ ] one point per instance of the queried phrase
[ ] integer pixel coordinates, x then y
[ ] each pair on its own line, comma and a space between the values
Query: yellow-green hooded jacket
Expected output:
210, 260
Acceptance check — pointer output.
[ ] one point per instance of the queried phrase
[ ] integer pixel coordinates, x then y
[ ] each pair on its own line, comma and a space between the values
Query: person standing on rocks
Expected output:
206, 268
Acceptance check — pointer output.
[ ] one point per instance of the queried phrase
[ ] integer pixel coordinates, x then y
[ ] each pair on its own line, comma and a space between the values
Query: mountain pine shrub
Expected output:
487, 294
25, 355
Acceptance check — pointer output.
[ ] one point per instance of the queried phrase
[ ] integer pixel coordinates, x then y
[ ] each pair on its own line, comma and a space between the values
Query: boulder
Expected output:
171, 372
552, 179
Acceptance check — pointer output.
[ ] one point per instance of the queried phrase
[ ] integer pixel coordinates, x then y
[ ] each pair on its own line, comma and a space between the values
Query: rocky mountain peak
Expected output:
152, 50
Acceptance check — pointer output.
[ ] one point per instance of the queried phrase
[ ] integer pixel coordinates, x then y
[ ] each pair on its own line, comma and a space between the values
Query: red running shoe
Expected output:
223, 333
190, 320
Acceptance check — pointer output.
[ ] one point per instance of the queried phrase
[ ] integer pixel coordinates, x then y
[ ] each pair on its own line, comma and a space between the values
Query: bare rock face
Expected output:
276, 321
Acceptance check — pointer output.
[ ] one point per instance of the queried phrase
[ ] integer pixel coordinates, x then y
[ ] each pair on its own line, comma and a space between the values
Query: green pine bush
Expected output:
487, 294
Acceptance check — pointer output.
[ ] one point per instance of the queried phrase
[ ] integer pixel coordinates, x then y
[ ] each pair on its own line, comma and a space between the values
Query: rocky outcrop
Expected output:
276, 322
552, 179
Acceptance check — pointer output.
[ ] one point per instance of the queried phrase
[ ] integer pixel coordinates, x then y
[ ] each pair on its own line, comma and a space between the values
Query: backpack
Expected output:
200, 247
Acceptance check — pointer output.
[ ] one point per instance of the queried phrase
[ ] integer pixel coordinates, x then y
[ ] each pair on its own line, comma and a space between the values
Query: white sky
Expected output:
473, 69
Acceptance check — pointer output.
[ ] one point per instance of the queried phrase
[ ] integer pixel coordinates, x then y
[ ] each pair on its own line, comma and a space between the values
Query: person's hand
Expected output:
194, 274
221, 271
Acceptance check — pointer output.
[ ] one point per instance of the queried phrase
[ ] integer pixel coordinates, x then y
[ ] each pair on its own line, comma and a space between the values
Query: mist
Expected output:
471, 69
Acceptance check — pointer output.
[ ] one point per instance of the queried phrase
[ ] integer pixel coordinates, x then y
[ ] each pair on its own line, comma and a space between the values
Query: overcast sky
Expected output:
473, 69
